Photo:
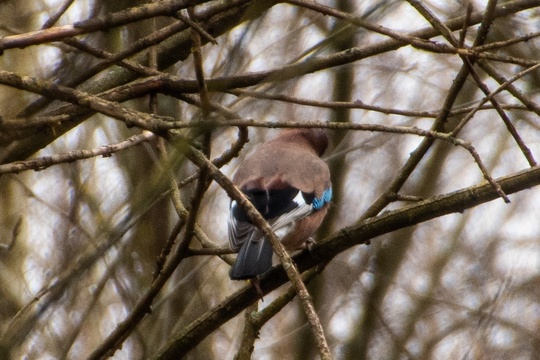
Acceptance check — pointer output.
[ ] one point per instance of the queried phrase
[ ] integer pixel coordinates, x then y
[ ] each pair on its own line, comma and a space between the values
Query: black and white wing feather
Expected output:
255, 252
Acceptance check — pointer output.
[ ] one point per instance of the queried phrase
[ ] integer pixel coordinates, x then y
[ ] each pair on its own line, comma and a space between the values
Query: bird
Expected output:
289, 184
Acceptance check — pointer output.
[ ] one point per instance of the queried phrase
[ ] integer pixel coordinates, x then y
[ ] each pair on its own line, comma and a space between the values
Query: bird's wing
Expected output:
242, 230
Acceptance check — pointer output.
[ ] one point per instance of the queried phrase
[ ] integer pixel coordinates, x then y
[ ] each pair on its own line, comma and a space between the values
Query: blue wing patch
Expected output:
324, 199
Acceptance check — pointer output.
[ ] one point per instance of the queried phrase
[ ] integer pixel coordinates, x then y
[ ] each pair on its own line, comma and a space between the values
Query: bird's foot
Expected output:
310, 243
257, 285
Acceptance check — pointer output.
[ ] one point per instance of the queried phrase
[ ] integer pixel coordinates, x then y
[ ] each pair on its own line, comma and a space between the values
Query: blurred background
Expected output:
80, 240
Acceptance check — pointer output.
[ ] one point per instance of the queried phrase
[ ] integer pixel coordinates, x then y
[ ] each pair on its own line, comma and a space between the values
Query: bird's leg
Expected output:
257, 285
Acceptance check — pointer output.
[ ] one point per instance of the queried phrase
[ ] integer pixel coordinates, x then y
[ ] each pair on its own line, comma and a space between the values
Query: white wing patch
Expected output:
242, 231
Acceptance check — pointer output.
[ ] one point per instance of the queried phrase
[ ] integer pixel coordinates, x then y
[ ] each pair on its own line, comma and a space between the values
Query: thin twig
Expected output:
505, 43
141, 12
198, 64
57, 14
44, 162
466, 23
357, 104
48, 121
196, 27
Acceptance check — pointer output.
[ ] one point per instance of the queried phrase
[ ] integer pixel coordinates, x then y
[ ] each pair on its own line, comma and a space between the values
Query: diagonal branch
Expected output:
141, 12
327, 249
44, 162
292, 273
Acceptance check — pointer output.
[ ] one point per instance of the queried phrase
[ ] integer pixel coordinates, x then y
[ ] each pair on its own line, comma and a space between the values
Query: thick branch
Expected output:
328, 248
103, 23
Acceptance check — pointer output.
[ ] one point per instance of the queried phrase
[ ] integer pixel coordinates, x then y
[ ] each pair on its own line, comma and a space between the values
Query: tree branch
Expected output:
141, 12
328, 248
284, 257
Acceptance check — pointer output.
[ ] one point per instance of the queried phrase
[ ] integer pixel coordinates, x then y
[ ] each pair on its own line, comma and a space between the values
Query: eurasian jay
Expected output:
289, 184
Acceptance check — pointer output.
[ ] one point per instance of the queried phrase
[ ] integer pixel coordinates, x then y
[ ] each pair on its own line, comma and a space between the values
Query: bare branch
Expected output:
141, 12
44, 162
57, 14
324, 251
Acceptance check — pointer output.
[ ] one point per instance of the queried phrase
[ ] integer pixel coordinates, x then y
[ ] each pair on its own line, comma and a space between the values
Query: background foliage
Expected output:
105, 106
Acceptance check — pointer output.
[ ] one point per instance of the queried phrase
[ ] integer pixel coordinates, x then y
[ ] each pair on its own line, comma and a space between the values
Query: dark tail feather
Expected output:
254, 258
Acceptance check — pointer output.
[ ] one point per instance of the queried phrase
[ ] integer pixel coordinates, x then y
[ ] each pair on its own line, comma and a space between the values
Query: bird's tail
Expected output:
254, 258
